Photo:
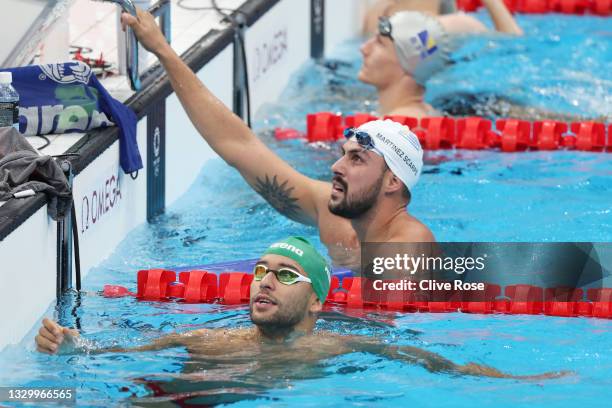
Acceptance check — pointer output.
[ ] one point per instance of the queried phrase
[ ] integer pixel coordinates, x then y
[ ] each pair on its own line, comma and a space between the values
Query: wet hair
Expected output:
405, 192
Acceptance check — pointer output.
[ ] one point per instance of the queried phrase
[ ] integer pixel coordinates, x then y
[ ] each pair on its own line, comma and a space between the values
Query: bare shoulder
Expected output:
419, 232
349, 342
326, 343
412, 230
414, 112
324, 338
217, 334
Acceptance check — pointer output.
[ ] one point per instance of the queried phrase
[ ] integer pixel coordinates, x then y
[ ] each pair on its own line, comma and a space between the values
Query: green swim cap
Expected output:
302, 252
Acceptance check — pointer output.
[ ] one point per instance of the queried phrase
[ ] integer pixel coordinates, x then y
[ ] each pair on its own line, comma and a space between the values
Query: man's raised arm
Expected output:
291, 193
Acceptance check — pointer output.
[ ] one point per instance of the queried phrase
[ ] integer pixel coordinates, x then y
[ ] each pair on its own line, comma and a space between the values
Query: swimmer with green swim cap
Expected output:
301, 251
291, 281
290, 284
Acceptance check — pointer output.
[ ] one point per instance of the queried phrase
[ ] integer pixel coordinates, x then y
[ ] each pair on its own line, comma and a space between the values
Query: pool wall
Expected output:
108, 203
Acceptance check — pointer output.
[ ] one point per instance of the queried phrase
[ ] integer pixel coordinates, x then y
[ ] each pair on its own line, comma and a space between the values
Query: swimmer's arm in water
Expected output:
461, 23
52, 338
289, 192
502, 18
514, 110
436, 363
389, 7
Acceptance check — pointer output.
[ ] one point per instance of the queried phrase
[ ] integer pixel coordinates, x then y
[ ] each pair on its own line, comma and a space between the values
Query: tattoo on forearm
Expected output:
279, 196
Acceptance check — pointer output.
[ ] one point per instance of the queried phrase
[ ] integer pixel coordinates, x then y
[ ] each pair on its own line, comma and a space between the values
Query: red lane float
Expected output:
233, 288
323, 127
405, 120
287, 134
547, 134
568, 6
472, 133
579, 7
200, 286
562, 302
590, 136
602, 302
601, 7
358, 119
468, 5
532, 6
153, 284
438, 133
515, 134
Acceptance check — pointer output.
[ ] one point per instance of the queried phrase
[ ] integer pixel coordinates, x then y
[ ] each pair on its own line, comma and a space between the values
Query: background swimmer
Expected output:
410, 47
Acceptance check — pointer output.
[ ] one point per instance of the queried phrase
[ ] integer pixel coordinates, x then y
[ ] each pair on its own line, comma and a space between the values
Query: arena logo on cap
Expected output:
284, 245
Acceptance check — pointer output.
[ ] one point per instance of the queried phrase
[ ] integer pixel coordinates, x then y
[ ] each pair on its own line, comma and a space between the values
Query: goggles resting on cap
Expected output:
363, 139
384, 27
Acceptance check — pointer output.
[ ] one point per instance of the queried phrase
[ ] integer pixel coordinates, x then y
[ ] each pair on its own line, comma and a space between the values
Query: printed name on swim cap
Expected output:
399, 147
412, 138
400, 153
284, 245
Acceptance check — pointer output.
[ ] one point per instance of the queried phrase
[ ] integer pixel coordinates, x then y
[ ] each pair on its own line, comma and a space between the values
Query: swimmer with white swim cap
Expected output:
411, 46
381, 143
367, 200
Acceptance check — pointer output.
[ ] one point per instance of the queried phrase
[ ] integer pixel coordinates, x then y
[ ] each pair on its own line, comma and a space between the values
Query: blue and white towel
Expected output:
61, 98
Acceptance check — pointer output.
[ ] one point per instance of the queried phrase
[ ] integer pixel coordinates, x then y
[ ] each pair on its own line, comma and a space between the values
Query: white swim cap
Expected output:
422, 44
399, 147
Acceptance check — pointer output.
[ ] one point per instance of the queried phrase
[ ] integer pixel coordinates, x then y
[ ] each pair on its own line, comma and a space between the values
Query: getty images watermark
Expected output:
411, 265
477, 271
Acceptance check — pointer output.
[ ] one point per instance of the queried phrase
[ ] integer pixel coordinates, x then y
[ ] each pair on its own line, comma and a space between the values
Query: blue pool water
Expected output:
462, 196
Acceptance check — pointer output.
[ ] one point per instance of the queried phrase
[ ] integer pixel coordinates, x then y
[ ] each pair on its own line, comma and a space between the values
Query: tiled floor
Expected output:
94, 25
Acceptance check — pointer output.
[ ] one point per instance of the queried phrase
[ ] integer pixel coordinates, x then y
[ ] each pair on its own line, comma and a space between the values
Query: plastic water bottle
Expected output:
9, 101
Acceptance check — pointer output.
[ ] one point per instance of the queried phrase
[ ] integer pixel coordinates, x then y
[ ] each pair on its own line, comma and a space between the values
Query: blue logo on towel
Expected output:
67, 73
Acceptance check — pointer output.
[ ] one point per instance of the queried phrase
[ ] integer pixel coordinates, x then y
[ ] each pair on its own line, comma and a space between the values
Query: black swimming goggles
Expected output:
384, 27
363, 139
